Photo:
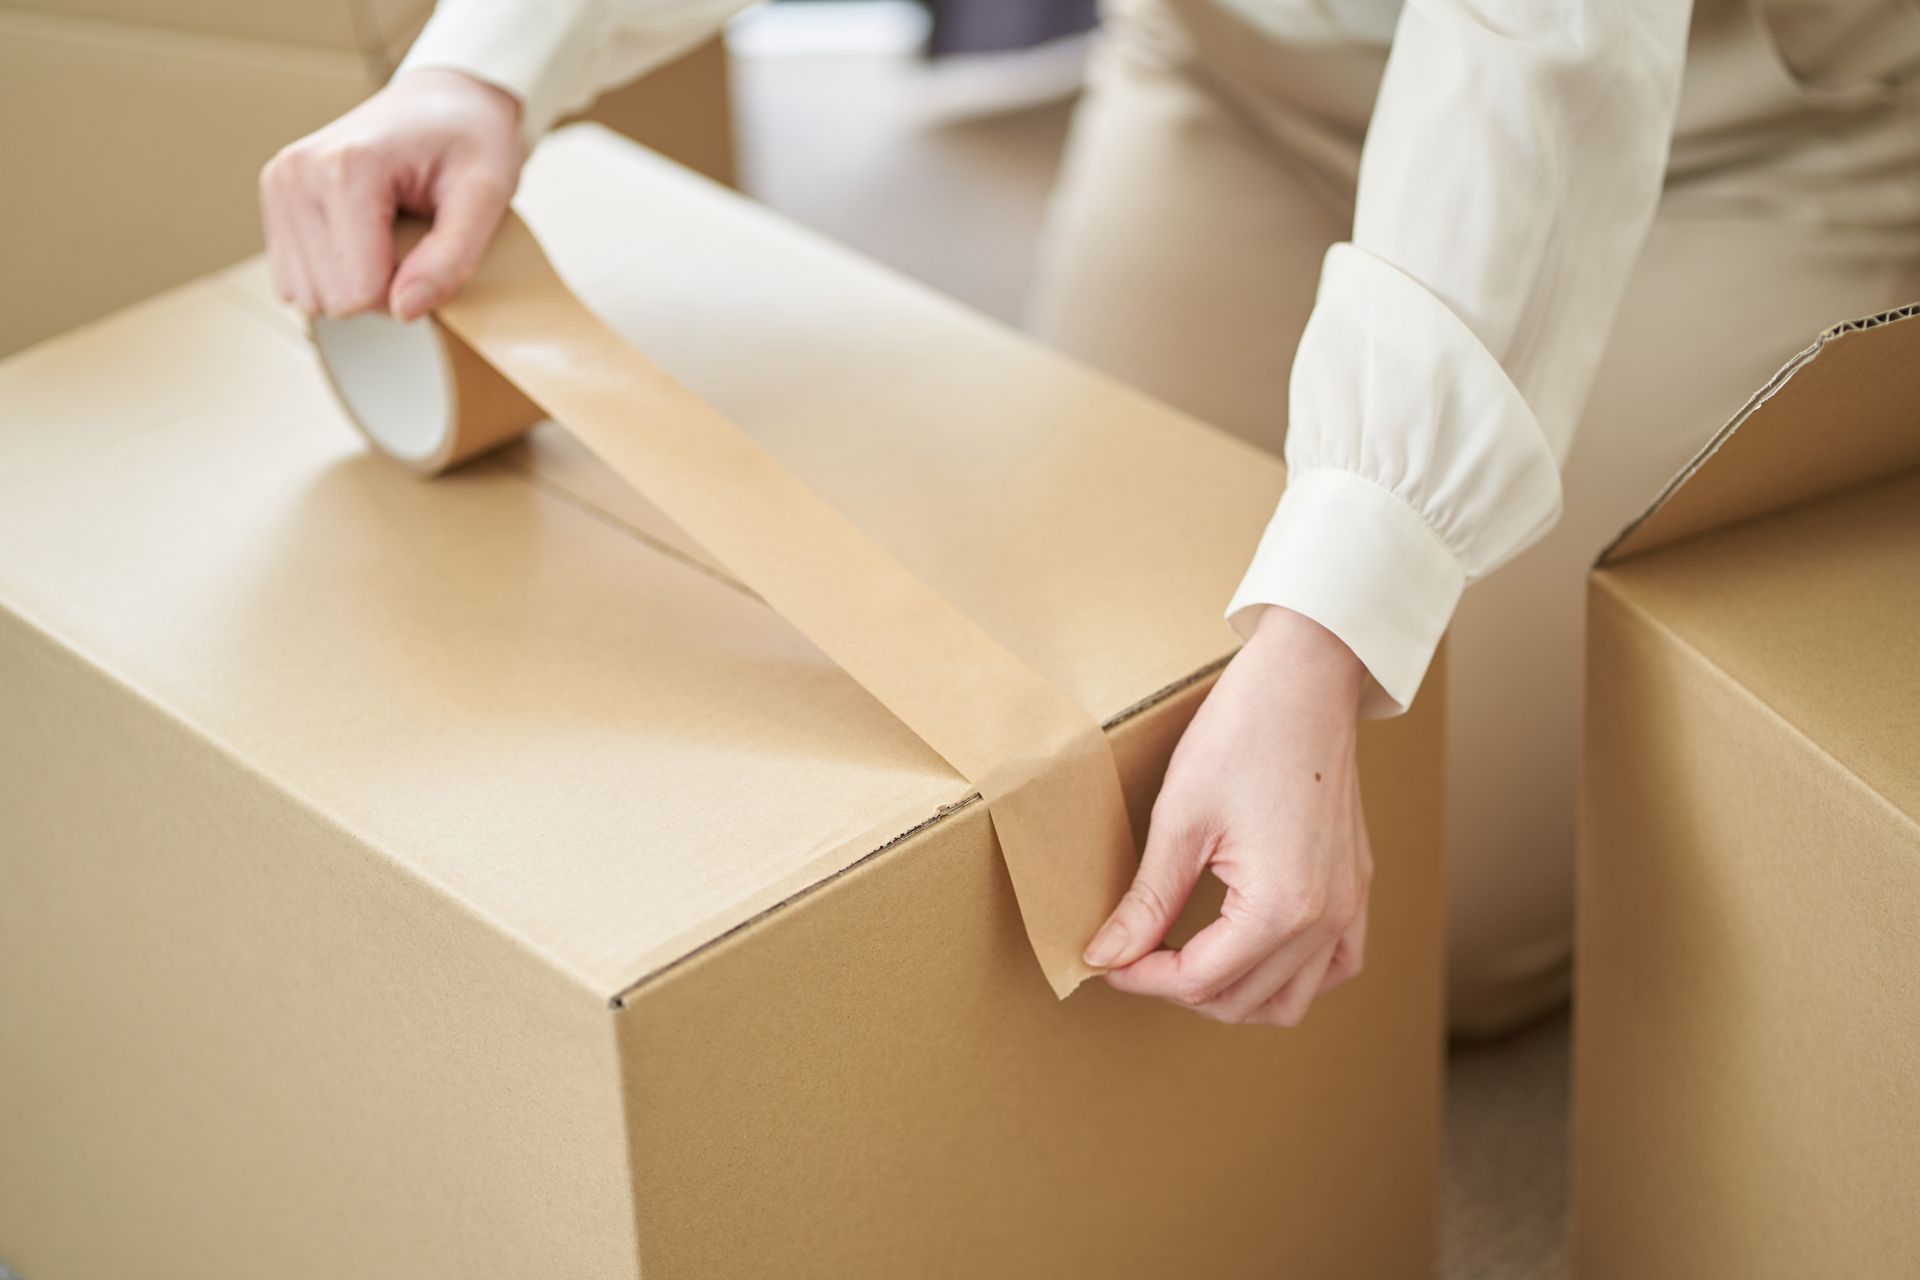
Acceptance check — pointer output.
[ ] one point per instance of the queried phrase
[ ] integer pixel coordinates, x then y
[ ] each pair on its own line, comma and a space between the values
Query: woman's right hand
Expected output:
436, 144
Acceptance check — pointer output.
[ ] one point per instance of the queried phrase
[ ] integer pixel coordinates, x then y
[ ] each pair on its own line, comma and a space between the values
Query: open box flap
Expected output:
1843, 412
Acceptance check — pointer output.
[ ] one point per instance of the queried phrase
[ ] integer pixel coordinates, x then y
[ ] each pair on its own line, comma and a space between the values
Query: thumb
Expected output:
447, 256
1169, 869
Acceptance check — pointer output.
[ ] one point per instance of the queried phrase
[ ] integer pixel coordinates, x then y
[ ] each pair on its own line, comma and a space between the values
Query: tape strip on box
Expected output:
517, 346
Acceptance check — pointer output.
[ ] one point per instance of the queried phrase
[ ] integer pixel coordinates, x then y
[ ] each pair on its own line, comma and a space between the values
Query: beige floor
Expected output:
1506, 1186
911, 168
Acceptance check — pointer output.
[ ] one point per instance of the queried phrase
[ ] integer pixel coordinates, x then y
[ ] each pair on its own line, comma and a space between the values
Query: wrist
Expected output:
1305, 658
496, 101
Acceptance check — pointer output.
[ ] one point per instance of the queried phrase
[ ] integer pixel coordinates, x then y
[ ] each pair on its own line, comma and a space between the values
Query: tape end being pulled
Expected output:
1067, 979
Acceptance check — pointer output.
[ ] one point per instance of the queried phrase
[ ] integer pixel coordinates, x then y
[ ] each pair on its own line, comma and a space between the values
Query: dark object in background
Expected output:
996, 26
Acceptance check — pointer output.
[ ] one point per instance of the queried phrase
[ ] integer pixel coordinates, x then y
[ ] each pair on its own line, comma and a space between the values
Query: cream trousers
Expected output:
1209, 170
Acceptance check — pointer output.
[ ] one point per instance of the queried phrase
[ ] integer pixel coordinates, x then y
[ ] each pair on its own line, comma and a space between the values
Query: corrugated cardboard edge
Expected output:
1622, 547
1108, 726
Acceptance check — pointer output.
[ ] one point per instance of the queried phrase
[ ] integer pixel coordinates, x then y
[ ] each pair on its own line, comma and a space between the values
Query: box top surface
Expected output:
517, 681
1788, 554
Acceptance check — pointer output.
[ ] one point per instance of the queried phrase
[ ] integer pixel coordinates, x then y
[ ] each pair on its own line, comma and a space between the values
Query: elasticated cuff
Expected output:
539, 53
1363, 564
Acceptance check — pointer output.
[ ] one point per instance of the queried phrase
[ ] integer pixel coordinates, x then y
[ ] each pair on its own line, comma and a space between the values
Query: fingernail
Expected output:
1106, 945
410, 303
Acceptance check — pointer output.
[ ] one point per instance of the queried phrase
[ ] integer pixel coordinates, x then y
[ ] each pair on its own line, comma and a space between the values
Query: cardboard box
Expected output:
462, 878
134, 145
1747, 1066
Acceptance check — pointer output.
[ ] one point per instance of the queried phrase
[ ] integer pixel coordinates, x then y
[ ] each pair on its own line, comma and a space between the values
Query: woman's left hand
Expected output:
1263, 790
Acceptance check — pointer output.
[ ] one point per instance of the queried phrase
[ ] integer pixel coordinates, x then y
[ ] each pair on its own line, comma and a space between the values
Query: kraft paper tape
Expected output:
517, 346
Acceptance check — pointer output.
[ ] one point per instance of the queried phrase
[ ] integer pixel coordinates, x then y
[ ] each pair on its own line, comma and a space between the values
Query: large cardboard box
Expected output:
1747, 1067
465, 878
134, 133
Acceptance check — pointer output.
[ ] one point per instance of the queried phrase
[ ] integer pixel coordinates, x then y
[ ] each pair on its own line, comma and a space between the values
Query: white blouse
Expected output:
1510, 172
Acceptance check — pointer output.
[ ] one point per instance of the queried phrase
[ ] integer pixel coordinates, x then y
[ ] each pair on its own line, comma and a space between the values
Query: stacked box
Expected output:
1747, 1064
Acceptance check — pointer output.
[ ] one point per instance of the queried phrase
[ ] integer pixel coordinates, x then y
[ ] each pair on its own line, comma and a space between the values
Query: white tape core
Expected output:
394, 379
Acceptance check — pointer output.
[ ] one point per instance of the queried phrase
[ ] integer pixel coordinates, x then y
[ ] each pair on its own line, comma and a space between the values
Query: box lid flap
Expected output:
1843, 412
511, 680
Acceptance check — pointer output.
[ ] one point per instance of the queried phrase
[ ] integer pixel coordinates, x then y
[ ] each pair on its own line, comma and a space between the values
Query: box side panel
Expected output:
132, 158
1747, 1056
238, 1044
1091, 530
876, 1081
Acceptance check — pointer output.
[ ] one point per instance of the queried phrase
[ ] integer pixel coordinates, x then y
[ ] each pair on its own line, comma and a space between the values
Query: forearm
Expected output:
1511, 170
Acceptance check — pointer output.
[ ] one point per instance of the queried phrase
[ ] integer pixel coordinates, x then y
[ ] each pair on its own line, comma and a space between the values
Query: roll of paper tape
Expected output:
516, 346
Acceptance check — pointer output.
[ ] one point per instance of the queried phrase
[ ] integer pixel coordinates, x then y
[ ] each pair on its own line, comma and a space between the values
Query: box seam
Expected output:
593, 510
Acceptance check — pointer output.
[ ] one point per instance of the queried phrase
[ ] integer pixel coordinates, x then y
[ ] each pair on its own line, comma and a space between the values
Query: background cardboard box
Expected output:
134, 133
380, 28
463, 878
1747, 1042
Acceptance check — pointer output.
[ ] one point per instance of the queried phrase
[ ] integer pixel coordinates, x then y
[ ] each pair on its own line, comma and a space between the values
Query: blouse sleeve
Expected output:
1510, 173
557, 55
